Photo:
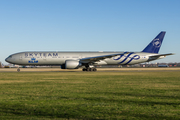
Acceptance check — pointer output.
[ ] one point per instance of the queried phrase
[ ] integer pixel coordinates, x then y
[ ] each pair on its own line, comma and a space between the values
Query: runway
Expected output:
80, 70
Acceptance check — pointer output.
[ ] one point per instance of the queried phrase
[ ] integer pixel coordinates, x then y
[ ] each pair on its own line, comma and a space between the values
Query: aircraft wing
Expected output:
98, 58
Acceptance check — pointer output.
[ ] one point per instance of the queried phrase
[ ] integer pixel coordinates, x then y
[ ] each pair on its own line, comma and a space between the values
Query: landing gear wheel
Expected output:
89, 69
18, 69
84, 69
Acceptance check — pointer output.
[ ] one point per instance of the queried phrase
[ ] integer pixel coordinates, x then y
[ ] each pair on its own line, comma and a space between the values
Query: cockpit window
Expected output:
10, 56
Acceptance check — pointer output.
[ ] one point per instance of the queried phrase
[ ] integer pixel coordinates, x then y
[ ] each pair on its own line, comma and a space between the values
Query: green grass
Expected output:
90, 95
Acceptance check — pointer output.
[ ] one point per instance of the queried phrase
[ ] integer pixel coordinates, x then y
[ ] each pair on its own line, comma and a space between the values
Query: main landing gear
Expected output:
89, 69
18, 69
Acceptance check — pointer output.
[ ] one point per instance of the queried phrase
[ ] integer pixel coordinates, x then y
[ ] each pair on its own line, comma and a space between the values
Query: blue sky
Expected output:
88, 25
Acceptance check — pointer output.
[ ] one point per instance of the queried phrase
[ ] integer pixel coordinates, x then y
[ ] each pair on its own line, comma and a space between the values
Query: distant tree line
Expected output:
142, 65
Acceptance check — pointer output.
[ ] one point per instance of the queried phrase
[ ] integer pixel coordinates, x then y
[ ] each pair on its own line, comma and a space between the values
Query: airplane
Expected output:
87, 60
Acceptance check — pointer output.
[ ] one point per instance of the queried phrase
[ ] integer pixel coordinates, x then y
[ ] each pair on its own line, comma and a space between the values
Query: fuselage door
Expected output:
20, 57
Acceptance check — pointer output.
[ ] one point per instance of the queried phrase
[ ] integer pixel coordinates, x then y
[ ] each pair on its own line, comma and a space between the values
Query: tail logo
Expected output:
156, 43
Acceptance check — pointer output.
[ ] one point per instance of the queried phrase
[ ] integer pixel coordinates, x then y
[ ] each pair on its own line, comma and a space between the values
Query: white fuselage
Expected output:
59, 58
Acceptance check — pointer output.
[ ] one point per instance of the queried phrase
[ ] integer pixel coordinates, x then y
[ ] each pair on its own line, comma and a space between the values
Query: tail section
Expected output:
155, 44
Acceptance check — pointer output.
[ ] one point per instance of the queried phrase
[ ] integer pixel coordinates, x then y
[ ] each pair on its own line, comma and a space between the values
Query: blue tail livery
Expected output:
155, 44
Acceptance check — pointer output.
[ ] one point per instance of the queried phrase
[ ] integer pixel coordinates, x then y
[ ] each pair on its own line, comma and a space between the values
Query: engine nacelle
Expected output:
71, 64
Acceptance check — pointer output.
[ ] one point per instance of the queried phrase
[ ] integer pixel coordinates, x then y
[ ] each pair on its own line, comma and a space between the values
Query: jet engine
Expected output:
71, 64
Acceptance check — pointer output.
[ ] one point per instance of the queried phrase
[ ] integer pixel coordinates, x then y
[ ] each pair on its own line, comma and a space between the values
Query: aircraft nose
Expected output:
7, 60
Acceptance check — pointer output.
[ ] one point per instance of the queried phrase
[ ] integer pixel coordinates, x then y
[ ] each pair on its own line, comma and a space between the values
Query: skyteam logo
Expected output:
127, 58
156, 42
33, 60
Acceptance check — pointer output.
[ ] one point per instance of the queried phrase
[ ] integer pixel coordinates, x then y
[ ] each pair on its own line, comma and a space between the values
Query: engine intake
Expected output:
71, 64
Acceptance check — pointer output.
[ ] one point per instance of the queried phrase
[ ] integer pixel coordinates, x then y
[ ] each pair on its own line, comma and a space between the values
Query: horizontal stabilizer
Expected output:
162, 55
154, 57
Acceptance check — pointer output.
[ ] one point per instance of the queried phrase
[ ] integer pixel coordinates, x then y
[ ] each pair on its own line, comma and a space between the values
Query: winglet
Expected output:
155, 44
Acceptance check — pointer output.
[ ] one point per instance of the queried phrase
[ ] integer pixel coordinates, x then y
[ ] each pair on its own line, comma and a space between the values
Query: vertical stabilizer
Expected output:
155, 44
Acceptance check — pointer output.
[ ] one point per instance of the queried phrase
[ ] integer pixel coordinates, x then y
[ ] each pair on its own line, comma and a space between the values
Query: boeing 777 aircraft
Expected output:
87, 60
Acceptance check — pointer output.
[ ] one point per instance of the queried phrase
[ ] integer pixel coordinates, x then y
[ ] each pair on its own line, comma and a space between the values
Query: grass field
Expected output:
90, 95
